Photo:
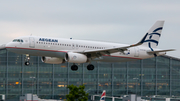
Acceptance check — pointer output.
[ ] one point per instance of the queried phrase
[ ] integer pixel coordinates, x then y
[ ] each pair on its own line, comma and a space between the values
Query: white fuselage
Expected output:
57, 47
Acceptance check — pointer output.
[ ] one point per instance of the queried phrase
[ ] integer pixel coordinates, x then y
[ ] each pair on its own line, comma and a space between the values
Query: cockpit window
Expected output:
17, 40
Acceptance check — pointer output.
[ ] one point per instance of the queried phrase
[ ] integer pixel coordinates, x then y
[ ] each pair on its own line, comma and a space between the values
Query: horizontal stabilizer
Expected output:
153, 52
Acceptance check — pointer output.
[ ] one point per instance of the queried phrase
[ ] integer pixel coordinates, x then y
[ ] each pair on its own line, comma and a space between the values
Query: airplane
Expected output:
103, 96
59, 50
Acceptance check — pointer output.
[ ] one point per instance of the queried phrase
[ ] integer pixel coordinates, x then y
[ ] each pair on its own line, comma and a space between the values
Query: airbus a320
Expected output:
59, 50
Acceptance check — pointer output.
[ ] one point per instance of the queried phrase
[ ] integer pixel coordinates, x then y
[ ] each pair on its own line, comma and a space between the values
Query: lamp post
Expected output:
32, 87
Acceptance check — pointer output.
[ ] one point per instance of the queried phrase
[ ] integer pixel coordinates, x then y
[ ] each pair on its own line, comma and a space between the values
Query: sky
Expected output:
119, 21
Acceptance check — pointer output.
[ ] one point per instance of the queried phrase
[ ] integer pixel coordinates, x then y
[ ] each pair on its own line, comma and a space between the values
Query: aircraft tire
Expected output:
74, 67
90, 67
27, 63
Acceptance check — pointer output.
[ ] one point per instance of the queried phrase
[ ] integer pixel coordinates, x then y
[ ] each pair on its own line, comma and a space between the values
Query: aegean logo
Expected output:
48, 40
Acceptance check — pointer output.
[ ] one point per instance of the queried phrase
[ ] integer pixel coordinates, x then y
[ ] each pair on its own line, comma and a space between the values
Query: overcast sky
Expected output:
105, 20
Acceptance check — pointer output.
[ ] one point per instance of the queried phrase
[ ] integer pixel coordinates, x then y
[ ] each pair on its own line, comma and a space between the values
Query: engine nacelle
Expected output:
52, 60
75, 57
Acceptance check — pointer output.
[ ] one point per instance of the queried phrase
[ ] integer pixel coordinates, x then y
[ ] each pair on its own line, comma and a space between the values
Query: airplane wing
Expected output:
108, 51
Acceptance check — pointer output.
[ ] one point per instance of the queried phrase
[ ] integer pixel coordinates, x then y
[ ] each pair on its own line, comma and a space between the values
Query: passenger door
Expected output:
31, 42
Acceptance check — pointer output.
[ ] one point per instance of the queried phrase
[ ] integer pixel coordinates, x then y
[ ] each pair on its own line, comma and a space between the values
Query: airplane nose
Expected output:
8, 45
3, 46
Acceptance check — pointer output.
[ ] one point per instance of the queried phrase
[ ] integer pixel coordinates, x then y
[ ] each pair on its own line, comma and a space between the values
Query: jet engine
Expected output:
76, 57
52, 60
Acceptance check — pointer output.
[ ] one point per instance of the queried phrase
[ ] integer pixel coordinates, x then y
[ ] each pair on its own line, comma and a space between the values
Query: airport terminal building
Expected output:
154, 76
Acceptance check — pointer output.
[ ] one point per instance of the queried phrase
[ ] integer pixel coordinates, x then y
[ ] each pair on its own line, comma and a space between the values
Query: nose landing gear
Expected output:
27, 63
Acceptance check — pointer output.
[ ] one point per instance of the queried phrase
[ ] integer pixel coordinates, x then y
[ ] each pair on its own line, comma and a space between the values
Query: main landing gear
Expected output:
27, 63
90, 67
75, 67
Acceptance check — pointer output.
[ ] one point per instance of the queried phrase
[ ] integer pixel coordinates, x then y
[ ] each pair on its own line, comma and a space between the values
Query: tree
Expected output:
77, 93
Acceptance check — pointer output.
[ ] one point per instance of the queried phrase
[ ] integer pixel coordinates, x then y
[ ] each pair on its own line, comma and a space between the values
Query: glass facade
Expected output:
154, 76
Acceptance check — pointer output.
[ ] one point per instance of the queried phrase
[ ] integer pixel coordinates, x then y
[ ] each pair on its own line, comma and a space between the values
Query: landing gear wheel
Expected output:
74, 67
90, 67
27, 63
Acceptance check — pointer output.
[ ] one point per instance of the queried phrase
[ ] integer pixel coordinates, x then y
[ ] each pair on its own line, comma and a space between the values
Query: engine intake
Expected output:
75, 57
52, 60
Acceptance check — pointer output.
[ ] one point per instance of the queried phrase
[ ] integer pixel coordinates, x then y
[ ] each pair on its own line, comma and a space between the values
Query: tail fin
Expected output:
151, 39
103, 96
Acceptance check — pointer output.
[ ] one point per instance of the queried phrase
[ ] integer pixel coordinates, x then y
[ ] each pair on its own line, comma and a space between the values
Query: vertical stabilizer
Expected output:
151, 39
103, 96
